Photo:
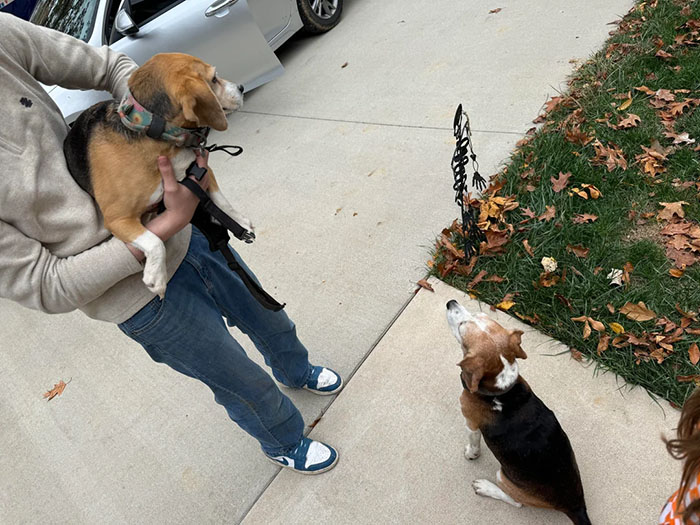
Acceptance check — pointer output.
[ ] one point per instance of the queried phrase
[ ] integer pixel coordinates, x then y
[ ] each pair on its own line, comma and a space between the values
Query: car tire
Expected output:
321, 17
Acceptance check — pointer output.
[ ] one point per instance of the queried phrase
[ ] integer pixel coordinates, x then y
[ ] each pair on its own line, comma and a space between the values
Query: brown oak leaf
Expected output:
548, 215
560, 183
582, 218
57, 390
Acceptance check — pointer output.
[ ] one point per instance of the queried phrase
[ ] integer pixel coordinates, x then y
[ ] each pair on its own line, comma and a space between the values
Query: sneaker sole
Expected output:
306, 472
329, 393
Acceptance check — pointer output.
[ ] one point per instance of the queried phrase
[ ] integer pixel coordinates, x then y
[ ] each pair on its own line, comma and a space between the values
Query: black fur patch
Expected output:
26, 102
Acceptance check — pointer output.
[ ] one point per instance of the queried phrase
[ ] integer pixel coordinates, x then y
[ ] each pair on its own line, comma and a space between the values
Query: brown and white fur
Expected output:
119, 167
538, 466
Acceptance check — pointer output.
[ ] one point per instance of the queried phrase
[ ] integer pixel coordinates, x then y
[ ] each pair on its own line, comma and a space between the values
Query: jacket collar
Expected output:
137, 118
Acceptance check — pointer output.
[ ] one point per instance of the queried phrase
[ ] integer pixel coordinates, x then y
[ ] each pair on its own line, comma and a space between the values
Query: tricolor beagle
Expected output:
112, 149
538, 466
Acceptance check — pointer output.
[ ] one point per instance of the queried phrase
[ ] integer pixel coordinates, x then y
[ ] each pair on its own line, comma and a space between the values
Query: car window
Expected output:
143, 11
73, 17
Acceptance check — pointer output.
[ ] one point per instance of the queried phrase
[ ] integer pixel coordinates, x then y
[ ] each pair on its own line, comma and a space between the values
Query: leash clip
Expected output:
196, 171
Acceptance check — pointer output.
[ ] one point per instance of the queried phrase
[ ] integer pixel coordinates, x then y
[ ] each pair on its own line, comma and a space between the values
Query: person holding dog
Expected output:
56, 256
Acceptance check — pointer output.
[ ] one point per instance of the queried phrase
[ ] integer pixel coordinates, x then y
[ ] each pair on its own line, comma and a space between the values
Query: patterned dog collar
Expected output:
137, 118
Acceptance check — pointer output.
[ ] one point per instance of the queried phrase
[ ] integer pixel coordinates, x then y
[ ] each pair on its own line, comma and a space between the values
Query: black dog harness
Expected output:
211, 220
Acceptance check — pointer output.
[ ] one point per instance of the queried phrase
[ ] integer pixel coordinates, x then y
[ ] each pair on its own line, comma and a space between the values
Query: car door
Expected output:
220, 32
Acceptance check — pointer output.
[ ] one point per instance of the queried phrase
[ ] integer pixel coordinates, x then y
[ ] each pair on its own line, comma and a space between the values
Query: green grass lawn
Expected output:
596, 132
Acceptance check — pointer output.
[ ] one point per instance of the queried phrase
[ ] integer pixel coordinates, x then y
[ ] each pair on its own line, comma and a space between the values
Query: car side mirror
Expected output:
124, 24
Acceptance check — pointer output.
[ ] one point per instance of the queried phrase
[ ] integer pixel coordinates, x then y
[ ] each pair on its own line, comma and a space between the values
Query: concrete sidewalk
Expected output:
401, 436
346, 176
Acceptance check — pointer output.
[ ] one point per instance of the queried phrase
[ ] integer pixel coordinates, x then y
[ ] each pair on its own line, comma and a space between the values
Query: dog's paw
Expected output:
155, 280
486, 488
248, 237
471, 452
482, 487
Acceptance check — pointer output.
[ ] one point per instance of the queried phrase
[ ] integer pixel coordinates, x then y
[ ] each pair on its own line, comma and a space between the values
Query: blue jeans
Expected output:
187, 332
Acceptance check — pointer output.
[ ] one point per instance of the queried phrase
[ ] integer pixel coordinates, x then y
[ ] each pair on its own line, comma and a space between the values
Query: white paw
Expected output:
471, 452
482, 487
247, 224
155, 278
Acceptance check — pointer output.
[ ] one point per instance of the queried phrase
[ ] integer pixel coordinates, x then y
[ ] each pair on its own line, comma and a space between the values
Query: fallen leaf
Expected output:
646, 90
614, 275
505, 305
344, 65
547, 280
637, 312
548, 215
592, 190
617, 328
694, 353
494, 11
631, 121
494, 279
675, 272
663, 54
575, 354
582, 218
627, 103
528, 248
603, 343
479, 277
671, 209
57, 390
610, 308
597, 325
425, 284
579, 251
549, 264
665, 95
560, 183
689, 379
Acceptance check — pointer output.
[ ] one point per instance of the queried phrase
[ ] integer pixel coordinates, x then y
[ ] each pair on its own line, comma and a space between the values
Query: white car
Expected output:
237, 36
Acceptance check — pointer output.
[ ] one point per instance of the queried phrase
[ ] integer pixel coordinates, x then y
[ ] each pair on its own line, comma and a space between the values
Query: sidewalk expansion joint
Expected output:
349, 378
380, 124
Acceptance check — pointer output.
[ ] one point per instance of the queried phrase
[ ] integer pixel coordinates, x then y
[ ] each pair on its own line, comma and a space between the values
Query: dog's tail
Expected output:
579, 517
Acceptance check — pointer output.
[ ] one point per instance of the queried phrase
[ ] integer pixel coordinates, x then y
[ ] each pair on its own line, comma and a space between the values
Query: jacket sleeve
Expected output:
55, 58
37, 279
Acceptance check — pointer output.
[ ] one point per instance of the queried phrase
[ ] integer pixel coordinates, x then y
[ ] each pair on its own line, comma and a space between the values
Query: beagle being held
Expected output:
538, 466
113, 148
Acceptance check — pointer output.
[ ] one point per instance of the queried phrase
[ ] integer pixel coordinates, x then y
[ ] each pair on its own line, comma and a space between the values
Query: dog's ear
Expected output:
474, 369
514, 343
200, 105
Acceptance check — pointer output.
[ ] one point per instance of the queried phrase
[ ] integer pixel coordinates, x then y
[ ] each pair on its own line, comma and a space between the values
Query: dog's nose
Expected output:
452, 304
241, 88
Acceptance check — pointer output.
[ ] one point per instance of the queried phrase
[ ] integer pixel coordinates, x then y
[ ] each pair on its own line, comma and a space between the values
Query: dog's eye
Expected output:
214, 80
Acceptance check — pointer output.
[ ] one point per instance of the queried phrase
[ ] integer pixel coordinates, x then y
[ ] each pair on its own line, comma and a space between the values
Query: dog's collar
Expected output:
137, 118
486, 393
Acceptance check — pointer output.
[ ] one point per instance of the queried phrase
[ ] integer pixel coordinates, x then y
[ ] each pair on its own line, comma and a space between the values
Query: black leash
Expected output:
217, 232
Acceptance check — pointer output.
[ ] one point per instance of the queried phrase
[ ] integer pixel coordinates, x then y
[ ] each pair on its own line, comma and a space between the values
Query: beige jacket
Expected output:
55, 254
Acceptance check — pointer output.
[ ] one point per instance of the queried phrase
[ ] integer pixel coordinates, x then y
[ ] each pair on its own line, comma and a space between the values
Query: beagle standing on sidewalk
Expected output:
113, 148
538, 466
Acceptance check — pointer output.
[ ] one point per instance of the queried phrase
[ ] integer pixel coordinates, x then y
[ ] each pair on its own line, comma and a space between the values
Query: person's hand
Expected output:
180, 203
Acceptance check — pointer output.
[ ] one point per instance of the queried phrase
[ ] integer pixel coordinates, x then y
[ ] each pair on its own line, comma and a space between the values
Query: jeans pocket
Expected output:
145, 319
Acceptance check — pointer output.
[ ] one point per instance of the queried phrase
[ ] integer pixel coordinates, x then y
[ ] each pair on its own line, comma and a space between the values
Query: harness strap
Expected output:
217, 235
227, 222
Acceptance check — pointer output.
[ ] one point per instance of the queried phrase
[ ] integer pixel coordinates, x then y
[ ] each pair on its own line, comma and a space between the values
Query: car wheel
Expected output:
320, 16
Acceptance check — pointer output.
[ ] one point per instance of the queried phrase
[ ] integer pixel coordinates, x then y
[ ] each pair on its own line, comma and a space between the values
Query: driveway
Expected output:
346, 176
